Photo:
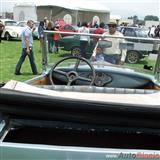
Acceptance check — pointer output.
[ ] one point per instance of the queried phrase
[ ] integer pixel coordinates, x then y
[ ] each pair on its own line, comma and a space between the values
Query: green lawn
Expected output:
10, 52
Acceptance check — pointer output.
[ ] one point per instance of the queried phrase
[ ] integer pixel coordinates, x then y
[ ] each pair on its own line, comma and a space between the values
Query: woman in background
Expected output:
40, 33
49, 37
56, 38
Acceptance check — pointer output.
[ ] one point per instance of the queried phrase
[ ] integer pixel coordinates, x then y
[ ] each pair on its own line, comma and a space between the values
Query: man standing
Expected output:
84, 39
1, 29
27, 49
113, 54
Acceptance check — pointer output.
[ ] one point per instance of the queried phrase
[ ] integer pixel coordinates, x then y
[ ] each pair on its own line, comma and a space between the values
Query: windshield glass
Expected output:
136, 54
10, 23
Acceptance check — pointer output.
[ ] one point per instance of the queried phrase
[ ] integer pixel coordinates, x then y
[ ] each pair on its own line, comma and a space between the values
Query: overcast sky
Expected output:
124, 8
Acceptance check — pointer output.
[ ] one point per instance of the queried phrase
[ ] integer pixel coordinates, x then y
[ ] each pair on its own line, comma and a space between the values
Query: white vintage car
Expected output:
11, 29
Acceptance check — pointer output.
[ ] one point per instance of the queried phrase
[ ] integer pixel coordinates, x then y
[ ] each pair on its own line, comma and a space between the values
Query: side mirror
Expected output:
104, 44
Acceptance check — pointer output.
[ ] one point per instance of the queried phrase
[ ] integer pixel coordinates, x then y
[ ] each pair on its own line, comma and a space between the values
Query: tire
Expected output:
132, 57
7, 36
75, 51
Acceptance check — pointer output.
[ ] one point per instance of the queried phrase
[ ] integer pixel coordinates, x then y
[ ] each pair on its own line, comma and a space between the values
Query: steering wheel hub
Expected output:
72, 75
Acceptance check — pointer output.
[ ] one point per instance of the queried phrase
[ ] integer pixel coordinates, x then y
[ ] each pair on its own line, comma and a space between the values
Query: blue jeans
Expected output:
100, 57
50, 44
83, 48
31, 59
114, 58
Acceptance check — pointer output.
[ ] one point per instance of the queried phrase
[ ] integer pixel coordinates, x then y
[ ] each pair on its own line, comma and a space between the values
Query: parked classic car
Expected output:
135, 53
142, 50
11, 29
79, 109
72, 43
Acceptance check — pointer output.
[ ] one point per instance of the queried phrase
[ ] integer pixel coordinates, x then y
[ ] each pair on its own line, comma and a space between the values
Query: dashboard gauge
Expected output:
101, 79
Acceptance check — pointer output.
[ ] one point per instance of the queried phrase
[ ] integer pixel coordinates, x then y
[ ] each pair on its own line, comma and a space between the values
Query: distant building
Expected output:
151, 23
24, 11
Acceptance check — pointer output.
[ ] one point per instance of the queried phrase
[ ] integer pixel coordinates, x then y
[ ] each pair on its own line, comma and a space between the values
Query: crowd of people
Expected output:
112, 55
53, 39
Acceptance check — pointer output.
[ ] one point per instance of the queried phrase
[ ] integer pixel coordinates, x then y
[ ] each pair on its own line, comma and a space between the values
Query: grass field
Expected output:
10, 52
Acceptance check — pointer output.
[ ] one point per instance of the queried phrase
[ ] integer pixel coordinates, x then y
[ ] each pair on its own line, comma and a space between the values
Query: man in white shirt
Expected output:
113, 54
152, 31
84, 39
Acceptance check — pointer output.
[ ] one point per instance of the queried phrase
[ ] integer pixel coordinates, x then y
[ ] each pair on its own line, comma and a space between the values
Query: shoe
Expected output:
17, 73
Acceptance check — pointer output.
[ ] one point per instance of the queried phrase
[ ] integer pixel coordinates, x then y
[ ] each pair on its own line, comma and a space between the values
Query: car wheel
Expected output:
75, 51
7, 36
132, 57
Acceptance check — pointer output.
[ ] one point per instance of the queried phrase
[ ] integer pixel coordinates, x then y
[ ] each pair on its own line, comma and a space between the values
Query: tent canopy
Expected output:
78, 10
80, 5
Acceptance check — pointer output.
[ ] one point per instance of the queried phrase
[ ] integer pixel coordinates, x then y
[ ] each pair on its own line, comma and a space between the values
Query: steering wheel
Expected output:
73, 75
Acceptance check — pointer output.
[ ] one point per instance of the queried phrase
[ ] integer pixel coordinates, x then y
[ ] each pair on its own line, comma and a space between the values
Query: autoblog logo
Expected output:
139, 155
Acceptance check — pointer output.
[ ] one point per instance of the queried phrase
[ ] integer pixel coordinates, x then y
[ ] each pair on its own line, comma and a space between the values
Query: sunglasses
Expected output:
113, 26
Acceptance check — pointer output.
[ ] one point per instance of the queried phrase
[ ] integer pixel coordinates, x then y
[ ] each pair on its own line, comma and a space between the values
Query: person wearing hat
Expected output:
113, 54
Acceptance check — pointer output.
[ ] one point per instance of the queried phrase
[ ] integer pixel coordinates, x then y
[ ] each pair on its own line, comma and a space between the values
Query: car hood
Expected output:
15, 29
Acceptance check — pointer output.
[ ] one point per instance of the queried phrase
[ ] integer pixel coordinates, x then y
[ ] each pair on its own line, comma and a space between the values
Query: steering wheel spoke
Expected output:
84, 79
77, 64
60, 72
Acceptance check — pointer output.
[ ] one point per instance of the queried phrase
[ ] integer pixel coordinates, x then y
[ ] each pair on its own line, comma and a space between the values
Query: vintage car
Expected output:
79, 109
72, 43
11, 29
142, 50
134, 53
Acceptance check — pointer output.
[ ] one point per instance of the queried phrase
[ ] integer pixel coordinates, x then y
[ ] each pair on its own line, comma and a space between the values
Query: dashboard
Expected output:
101, 79
107, 78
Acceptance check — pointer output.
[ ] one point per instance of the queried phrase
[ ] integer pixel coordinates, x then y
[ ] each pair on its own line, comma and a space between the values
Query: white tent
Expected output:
72, 10
79, 10
81, 5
